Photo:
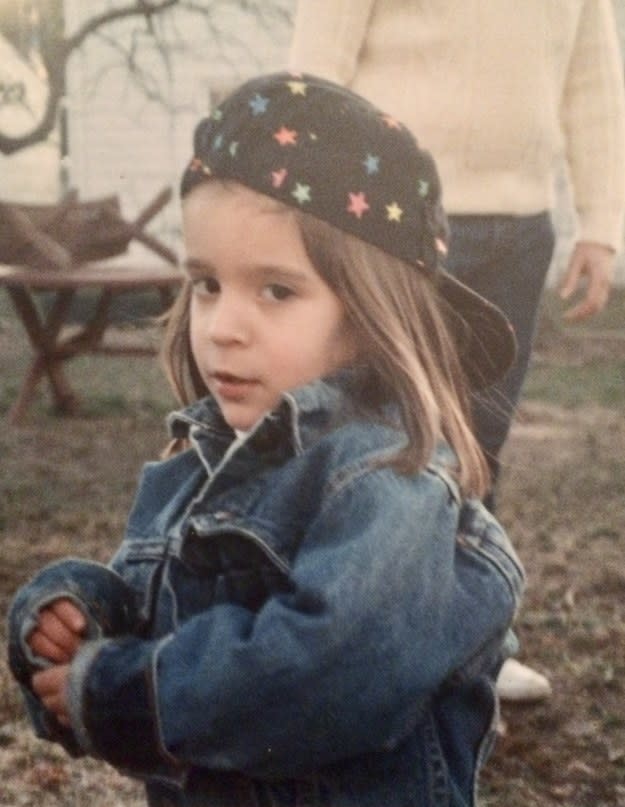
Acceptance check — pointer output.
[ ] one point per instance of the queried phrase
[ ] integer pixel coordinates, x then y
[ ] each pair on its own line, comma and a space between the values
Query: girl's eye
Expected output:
277, 292
206, 286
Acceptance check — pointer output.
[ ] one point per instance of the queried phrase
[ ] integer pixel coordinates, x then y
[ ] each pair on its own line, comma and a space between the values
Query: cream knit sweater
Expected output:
496, 89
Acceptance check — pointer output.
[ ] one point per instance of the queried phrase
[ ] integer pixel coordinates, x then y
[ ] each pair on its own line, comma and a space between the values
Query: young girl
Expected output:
310, 604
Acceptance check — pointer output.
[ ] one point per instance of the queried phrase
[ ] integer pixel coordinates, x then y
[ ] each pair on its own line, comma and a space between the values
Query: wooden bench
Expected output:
53, 344
61, 236
61, 249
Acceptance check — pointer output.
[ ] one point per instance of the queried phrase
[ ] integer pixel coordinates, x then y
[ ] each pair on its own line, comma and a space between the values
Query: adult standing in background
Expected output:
497, 90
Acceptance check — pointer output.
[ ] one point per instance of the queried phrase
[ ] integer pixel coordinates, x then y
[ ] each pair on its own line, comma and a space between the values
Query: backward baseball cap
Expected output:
320, 148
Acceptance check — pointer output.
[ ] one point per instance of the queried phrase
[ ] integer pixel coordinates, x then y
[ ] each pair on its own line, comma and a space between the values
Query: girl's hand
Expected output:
49, 685
59, 632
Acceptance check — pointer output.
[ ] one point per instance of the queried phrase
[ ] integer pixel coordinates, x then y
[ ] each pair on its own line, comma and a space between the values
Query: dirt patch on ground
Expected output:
562, 500
67, 489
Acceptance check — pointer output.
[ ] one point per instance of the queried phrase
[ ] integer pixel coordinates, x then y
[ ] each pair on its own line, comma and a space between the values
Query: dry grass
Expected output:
67, 485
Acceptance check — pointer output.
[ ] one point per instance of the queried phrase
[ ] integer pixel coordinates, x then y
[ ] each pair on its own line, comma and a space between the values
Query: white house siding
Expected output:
31, 174
121, 142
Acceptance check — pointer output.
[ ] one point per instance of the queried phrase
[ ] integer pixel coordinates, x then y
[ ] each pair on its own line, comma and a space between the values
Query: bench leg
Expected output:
65, 399
44, 338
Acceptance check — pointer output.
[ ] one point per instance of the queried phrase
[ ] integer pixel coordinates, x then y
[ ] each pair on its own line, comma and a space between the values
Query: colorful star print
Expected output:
394, 212
301, 193
391, 122
317, 148
297, 87
357, 204
198, 165
371, 164
259, 104
286, 137
278, 177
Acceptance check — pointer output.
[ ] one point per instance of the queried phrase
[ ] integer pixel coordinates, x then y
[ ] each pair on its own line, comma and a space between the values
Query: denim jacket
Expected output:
288, 621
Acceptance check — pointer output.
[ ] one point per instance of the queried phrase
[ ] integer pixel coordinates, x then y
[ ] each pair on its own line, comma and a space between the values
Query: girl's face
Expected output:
263, 321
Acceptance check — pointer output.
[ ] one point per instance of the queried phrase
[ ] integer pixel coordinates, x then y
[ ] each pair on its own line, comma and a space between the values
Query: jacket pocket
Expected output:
229, 565
141, 565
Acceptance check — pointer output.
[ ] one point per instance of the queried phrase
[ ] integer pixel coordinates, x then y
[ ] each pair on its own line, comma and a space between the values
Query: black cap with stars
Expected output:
316, 146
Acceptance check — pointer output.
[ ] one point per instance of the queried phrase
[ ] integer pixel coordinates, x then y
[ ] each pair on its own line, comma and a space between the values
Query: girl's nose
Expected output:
227, 321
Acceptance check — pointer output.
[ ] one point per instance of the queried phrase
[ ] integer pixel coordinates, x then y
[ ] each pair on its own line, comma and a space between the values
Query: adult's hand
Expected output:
593, 263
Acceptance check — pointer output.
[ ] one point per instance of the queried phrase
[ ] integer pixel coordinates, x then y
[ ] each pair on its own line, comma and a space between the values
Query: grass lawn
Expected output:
67, 485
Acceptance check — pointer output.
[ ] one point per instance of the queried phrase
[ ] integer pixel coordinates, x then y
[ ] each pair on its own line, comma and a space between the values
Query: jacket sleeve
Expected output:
107, 603
328, 36
593, 120
383, 611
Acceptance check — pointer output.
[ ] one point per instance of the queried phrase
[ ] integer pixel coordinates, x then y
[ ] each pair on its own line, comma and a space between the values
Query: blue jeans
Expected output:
505, 259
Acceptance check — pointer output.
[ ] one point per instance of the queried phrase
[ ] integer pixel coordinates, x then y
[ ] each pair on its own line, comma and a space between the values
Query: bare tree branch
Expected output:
56, 47
55, 53
140, 8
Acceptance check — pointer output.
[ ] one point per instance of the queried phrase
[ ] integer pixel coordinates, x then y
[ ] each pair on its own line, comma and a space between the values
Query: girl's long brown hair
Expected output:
404, 337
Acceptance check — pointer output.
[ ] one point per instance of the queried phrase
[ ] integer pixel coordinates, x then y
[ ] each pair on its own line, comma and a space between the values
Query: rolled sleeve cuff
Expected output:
112, 707
107, 602
31, 620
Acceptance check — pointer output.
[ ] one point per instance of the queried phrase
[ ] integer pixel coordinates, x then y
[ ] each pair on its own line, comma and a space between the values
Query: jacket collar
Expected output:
302, 416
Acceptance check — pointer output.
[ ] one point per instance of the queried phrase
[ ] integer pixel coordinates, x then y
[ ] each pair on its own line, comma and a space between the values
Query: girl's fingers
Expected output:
46, 682
57, 631
49, 686
41, 645
70, 615
54, 705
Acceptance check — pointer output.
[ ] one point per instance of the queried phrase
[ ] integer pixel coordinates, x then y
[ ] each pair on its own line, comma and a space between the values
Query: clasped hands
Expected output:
59, 632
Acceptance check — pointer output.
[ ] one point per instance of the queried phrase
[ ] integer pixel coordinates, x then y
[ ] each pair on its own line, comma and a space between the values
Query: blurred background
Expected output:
103, 96
119, 91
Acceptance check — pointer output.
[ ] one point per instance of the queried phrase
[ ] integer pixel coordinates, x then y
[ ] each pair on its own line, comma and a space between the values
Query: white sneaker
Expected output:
517, 682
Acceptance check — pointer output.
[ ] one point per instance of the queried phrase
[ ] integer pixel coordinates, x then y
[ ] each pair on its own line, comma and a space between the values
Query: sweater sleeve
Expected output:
593, 120
328, 36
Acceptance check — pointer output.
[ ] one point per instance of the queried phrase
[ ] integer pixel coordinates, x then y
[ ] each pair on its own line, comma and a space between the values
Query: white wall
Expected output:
31, 174
121, 142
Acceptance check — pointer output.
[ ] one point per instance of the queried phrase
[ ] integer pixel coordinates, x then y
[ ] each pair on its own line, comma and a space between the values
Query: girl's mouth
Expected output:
231, 386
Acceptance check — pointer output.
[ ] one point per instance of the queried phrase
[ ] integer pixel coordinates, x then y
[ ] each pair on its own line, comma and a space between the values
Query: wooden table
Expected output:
52, 347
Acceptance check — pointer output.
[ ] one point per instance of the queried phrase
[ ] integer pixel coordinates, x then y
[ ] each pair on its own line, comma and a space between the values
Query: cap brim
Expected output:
484, 336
